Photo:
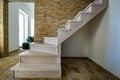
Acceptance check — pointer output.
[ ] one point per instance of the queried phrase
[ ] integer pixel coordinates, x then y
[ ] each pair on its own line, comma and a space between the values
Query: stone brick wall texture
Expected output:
3, 28
21, 0
53, 14
5, 24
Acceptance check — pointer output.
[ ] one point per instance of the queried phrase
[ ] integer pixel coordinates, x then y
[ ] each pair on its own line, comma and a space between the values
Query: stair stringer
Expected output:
92, 10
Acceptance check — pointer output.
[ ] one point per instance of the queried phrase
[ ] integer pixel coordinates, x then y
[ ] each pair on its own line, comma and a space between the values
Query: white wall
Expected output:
104, 38
75, 46
14, 23
99, 41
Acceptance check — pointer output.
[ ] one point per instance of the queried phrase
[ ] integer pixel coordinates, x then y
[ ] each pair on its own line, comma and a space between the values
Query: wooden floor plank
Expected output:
72, 69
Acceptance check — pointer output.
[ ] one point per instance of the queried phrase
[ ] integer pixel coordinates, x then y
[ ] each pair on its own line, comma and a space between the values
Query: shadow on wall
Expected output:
78, 45
75, 45
94, 30
97, 21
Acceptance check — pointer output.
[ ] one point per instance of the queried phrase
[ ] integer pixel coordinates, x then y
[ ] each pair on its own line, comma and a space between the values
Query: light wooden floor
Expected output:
83, 69
72, 69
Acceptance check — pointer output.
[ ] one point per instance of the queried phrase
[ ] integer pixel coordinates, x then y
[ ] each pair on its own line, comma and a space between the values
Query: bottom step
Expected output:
23, 70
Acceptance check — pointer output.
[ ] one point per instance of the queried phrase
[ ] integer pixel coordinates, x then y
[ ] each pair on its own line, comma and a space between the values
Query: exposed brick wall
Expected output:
53, 14
5, 24
3, 28
21, 0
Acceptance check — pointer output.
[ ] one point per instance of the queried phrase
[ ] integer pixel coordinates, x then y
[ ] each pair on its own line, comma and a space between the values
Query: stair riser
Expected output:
73, 25
89, 9
37, 60
53, 41
78, 18
98, 9
47, 49
37, 74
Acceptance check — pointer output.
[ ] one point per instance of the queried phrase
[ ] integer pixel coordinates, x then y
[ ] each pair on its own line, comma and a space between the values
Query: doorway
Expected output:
21, 23
23, 27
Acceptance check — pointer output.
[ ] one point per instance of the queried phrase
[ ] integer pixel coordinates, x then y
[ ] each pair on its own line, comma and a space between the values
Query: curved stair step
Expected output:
51, 40
49, 70
37, 54
38, 57
47, 48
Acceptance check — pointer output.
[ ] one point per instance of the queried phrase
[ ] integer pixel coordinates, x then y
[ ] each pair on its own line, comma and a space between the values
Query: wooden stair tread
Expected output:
52, 37
37, 53
96, 4
43, 44
36, 67
63, 29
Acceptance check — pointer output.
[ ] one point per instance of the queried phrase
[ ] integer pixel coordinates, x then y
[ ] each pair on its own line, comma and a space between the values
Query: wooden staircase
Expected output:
44, 60
41, 61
